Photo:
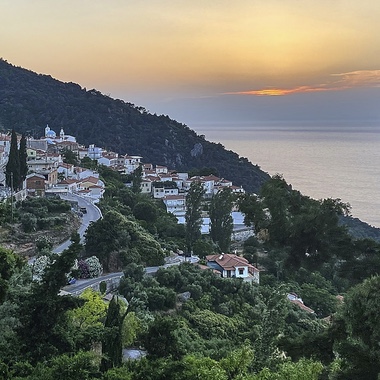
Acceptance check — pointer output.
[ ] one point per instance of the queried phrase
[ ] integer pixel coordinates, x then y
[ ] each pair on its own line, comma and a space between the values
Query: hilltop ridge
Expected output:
29, 101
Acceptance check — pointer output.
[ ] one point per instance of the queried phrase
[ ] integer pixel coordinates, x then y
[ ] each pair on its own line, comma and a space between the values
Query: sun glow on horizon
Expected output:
344, 81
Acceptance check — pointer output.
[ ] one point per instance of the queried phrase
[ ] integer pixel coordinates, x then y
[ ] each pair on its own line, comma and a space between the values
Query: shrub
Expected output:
28, 222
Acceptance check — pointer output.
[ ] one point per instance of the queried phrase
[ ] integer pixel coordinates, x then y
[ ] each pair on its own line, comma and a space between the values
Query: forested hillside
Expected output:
29, 101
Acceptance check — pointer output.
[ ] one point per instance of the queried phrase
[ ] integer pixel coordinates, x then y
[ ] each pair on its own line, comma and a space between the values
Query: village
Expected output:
49, 175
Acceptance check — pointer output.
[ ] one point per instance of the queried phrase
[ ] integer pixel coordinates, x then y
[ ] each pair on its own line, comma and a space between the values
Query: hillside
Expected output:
29, 101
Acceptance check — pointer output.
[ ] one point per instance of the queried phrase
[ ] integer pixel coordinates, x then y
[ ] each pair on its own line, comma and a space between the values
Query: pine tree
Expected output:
12, 170
23, 157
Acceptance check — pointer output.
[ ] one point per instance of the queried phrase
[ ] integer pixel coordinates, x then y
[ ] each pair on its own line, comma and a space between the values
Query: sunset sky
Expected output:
201, 61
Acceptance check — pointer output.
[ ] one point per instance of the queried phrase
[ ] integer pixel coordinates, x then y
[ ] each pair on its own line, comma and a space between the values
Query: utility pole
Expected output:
12, 197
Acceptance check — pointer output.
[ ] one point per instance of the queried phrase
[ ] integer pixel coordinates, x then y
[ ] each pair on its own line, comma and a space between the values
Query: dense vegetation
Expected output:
192, 323
29, 101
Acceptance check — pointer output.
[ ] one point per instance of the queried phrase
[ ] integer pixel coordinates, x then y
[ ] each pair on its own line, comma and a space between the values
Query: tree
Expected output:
146, 211
107, 236
136, 180
44, 328
112, 341
358, 331
70, 157
12, 170
193, 216
23, 157
93, 311
9, 263
161, 339
221, 220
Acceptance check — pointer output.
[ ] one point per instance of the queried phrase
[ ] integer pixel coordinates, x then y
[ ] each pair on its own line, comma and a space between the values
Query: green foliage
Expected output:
203, 247
112, 341
9, 264
12, 169
80, 366
91, 313
42, 213
5, 212
43, 329
117, 236
70, 157
221, 223
29, 222
103, 287
302, 370
146, 211
43, 244
161, 340
359, 229
23, 157
193, 216
136, 180
132, 327
86, 162
358, 331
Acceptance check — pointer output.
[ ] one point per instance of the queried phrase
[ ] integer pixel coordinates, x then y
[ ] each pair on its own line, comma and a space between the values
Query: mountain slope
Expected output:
29, 101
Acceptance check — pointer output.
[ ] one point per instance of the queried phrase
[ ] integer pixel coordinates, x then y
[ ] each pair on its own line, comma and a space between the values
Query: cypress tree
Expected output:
12, 170
112, 345
221, 222
23, 156
193, 216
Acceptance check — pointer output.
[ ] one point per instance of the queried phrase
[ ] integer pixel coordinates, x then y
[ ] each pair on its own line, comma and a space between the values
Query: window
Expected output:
241, 271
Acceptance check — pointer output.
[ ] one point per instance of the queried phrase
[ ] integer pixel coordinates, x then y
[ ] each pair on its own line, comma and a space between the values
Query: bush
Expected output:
95, 269
28, 222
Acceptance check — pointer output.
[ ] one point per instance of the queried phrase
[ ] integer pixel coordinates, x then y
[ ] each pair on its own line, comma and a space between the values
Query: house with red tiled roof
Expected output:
94, 187
294, 299
66, 169
161, 169
233, 266
69, 184
148, 166
35, 184
131, 163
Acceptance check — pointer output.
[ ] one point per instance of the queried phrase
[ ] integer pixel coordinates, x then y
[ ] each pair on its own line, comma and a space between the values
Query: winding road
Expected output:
92, 215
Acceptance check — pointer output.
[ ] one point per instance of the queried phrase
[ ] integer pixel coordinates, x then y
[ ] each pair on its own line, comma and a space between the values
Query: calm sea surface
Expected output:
341, 161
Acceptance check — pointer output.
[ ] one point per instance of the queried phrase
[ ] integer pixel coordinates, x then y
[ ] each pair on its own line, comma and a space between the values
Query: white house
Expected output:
161, 169
176, 204
146, 186
230, 265
161, 192
69, 184
94, 152
66, 169
132, 163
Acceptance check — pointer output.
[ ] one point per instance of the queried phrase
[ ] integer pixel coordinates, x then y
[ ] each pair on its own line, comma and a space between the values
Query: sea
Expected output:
324, 160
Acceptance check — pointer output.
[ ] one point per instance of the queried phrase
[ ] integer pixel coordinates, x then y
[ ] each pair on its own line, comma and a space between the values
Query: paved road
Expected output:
81, 285
92, 215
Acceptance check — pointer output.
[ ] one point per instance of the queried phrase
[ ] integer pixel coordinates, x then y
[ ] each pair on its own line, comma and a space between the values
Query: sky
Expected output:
208, 61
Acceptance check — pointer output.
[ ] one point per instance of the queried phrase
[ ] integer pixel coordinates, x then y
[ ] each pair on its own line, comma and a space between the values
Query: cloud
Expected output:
337, 82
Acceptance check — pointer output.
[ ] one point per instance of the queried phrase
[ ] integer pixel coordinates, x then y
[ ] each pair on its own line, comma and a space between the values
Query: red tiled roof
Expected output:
90, 179
174, 197
229, 261
67, 181
210, 178
302, 306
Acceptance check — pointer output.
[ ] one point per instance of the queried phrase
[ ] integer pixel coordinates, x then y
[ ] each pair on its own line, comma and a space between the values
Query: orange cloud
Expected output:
344, 81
